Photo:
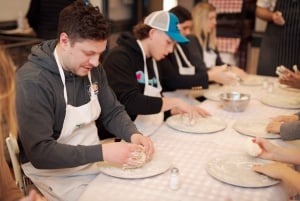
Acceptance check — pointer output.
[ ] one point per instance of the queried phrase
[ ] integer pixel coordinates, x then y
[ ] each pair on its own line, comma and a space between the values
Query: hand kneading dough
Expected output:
252, 148
187, 121
137, 160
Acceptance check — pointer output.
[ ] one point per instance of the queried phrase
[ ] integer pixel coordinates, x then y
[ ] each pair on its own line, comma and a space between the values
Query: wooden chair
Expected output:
13, 149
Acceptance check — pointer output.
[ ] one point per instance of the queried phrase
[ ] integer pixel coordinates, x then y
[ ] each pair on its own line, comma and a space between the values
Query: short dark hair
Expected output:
181, 13
81, 20
141, 31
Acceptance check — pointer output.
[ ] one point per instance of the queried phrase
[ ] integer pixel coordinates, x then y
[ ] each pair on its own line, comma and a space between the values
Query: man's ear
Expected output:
151, 33
64, 40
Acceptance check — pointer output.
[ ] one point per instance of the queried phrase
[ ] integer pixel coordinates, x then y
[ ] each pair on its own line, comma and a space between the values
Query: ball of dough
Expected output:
137, 160
187, 121
252, 148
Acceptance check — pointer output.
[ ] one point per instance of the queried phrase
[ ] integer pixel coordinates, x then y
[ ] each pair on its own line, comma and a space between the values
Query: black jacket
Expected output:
124, 66
170, 77
43, 16
169, 70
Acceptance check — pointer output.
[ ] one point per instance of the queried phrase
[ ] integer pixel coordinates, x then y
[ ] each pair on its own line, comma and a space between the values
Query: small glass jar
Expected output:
270, 87
265, 84
174, 182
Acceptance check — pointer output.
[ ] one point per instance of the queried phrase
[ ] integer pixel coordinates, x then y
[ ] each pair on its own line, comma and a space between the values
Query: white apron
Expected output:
210, 58
147, 124
187, 70
79, 128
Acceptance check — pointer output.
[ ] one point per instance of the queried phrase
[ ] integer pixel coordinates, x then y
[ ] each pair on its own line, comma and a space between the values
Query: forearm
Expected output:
264, 14
53, 155
292, 178
187, 81
287, 155
113, 114
120, 125
169, 103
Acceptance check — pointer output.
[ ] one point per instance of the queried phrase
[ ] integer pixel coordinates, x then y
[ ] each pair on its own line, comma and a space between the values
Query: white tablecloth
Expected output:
190, 153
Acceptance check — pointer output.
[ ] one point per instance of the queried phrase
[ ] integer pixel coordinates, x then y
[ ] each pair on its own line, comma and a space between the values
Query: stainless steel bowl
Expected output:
234, 101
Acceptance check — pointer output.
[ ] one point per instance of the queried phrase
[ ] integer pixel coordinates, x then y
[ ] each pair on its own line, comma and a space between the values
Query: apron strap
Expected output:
182, 55
156, 73
145, 67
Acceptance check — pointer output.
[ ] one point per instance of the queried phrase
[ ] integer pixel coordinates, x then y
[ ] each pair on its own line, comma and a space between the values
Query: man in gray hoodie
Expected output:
61, 93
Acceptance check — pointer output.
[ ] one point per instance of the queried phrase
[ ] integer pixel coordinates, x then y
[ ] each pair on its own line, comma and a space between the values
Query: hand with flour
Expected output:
282, 167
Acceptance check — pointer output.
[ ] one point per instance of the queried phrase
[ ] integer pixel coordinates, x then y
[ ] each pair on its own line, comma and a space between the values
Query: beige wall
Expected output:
155, 5
10, 9
188, 4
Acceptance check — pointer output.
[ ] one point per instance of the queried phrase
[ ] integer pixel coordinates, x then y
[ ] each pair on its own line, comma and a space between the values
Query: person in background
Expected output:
280, 169
185, 67
61, 92
281, 41
43, 15
204, 17
185, 19
133, 74
287, 126
8, 188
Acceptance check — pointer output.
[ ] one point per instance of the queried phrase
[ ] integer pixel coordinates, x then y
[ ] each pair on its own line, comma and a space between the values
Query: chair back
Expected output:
13, 150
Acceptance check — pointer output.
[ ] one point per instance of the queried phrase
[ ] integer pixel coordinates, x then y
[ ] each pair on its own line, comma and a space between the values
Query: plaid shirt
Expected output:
227, 6
229, 45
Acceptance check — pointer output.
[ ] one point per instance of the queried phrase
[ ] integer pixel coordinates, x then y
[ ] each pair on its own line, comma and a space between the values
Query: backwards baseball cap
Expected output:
167, 22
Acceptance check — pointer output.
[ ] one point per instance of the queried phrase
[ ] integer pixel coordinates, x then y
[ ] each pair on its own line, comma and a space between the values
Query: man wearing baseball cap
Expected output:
133, 75
167, 22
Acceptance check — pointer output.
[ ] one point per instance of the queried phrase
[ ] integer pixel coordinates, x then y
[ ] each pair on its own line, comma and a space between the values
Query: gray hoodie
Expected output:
291, 130
41, 108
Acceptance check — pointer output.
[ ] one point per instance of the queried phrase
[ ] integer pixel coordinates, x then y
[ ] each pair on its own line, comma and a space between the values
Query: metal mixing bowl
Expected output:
234, 101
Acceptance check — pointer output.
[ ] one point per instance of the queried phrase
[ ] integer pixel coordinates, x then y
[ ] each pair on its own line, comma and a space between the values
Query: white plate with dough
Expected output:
199, 125
282, 100
252, 80
158, 165
236, 170
254, 128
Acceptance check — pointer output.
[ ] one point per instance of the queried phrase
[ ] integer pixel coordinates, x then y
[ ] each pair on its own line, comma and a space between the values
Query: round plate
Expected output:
236, 170
282, 101
202, 125
158, 165
254, 128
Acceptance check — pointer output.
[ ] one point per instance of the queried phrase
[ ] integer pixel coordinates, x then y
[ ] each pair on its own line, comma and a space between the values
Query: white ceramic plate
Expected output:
201, 125
254, 128
252, 80
236, 170
282, 101
158, 165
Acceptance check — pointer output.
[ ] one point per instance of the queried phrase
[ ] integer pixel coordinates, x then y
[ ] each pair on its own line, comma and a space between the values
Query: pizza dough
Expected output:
138, 159
186, 120
252, 148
